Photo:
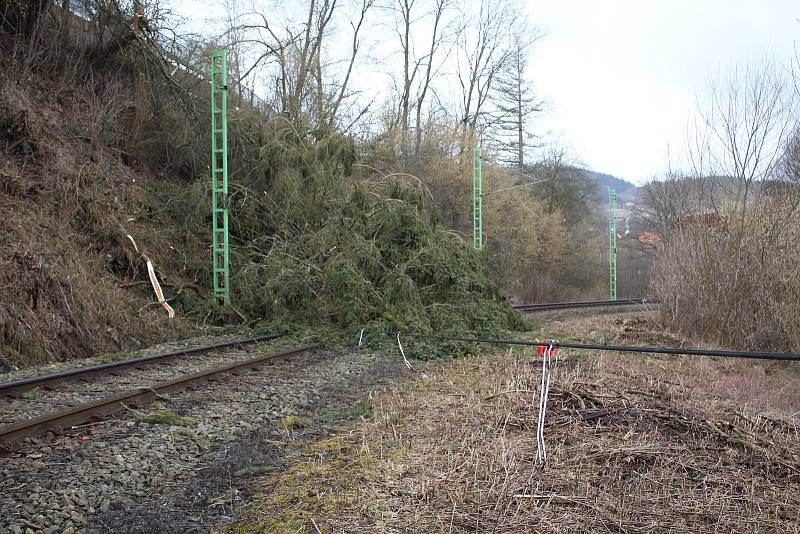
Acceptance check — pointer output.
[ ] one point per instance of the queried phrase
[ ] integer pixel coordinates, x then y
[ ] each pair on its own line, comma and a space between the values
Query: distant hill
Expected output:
626, 191
604, 181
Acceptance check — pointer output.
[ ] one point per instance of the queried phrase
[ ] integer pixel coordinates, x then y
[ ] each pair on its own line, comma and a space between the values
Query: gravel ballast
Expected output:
181, 464
73, 392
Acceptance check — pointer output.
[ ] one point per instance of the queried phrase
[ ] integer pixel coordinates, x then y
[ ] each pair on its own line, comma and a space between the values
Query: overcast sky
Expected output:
622, 75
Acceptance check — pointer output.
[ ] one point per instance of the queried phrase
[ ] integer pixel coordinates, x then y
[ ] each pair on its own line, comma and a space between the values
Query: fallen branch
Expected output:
153, 279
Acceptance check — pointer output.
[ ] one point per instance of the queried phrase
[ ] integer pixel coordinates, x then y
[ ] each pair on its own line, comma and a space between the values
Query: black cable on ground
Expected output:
584, 304
622, 348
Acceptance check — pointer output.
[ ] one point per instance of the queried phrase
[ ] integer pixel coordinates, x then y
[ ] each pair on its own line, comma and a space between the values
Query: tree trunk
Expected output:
406, 75
65, 21
520, 120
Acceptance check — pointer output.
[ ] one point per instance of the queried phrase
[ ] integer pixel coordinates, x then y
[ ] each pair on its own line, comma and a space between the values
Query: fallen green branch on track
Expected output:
317, 247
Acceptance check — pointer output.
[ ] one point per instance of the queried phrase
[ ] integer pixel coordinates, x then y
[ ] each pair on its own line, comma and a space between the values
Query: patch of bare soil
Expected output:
634, 444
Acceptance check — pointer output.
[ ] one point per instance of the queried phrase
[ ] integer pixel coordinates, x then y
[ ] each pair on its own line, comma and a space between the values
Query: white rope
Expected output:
403, 353
541, 452
360, 337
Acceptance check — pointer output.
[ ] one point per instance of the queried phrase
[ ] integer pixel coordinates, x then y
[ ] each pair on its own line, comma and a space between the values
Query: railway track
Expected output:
91, 400
83, 373
583, 304
94, 400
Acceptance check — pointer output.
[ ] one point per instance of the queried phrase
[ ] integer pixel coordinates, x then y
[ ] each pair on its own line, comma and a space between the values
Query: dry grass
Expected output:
72, 284
771, 388
628, 451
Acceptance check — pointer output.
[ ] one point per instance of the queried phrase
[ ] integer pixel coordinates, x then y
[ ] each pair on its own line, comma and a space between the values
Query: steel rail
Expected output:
784, 356
582, 304
84, 413
26, 384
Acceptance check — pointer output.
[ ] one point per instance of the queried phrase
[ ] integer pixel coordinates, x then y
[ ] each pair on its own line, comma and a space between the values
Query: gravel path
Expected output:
187, 473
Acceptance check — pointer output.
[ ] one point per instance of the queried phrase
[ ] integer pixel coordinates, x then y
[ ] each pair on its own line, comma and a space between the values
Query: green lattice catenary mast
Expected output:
612, 244
219, 174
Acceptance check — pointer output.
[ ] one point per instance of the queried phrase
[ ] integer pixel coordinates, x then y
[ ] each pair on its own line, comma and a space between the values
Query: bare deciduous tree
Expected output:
356, 24
740, 135
295, 60
436, 42
562, 185
729, 265
668, 200
293, 52
485, 46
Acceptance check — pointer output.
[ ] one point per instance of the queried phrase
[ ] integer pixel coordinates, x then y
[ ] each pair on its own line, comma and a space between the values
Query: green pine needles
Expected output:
334, 249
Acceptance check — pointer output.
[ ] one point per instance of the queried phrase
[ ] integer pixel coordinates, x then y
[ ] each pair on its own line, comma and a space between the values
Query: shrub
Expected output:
740, 288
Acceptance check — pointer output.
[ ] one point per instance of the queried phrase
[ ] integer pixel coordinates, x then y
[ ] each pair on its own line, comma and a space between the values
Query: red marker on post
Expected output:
540, 349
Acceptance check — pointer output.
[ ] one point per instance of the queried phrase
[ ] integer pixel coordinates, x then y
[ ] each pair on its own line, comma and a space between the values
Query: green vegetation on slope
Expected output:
314, 244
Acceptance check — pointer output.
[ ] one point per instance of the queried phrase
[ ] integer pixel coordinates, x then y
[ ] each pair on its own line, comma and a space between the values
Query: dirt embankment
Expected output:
75, 182
634, 444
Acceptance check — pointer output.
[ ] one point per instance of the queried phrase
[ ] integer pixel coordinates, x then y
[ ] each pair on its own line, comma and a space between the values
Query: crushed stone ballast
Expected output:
27, 384
12, 435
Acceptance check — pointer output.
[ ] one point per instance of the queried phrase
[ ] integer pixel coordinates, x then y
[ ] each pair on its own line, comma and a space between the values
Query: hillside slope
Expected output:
103, 159
625, 190
73, 282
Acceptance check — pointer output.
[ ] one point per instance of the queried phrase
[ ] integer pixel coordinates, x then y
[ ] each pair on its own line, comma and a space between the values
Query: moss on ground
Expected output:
361, 410
166, 417
293, 422
32, 394
202, 443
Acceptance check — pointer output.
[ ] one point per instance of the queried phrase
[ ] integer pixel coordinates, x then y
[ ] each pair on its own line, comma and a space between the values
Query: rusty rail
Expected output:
11, 435
26, 384
582, 304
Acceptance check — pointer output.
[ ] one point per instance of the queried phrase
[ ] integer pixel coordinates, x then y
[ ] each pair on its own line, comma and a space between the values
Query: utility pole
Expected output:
612, 244
477, 198
219, 175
